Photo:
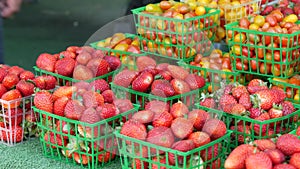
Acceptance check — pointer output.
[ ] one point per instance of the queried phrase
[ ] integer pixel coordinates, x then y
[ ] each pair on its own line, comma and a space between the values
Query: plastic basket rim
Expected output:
283, 83
15, 100
241, 5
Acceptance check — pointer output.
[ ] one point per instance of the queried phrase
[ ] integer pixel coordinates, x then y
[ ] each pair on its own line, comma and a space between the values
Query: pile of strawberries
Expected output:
163, 80
80, 63
173, 127
84, 103
284, 153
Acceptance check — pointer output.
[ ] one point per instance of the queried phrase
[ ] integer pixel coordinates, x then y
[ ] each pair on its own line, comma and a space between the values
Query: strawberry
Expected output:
108, 96
82, 72
279, 93
92, 99
263, 99
2, 89
143, 116
26, 88
3, 73
65, 66
194, 81
245, 101
215, 164
199, 138
254, 112
227, 100
99, 85
123, 105
161, 136
179, 109
10, 96
143, 62
41, 82
99, 66
64, 91
157, 106
134, 129
73, 49
162, 66
59, 105
90, 116
114, 62
288, 144
238, 91
180, 86
261, 128
237, 109
67, 54
245, 133
275, 111
182, 127
287, 108
284, 166
215, 128
26, 75
256, 85
258, 160
178, 72
298, 131
159, 162
106, 157
15, 115
65, 128
211, 152
107, 110
124, 78
139, 164
16, 70
43, 100
295, 160
198, 117
228, 89
16, 133
142, 82
264, 144
164, 74
46, 62
275, 155
82, 158
208, 102
74, 109
10, 81
54, 140
237, 157
83, 58
183, 146
162, 119
162, 88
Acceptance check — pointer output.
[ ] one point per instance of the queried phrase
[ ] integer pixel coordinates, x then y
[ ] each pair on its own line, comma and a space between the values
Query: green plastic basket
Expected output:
93, 150
64, 80
131, 149
268, 54
179, 39
294, 133
239, 125
290, 89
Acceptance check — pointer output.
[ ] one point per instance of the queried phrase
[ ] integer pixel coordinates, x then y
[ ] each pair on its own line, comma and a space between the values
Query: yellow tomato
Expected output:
135, 42
240, 38
235, 3
259, 20
221, 32
297, 97
107, 41
204, 1
253, 26
213, 4
221, 12
220, 2
226, 75
192, 5
153, 8
101, 44
255, 7
236, 49
200, 10
226, 55
230, 16
290, 18
214, 17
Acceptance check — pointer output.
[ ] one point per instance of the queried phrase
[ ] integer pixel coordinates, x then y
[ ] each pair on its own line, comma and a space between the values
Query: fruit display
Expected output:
76, 64
291, 87
285, 6
163, 136
280, 153
157, 81
266, 46
77, 122
254, 111
17, 86
176, 29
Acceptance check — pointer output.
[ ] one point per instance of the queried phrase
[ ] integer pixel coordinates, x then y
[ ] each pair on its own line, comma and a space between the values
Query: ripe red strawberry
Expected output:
256, 85
26, 75
15, 115
295, 160
215, 164
82, 158
124, 78
114, 62
162, 119
26, 88
279, 93
82, 72
254, 112
99, 66
245, 101
3, 73
16, 70
107, 110
138, 164
16, 133
288, 144
46, 62
258, 160
74, 109
99, 84
161, 136
238, 91
178, 72
157, 106
64, 91
284, 166
59, 106
179, 109
161, 162
106, 157
261, 128
183, 146
90, 116
10, 81
65, 128
143, 116
275, 155
237, 109
144, 62
65, 66
108, 96
227, 100
162, 66
2, 89
182, 127
123, 105
287, 108
134, 129
199, 138
180, 86
198, 117
245, 133
43, 100
67, 54
275, 111
164, 74
263, 99
298, 131
142, 82
195, 81
208, 102
162, 88
237, 157
211, 152
215, 128
264, 144
92, 99
228, 89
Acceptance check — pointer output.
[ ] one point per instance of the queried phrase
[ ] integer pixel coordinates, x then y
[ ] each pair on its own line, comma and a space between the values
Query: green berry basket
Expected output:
137, 154
263, 53
179, 39
245, 129
64, 80
292, 90
294, 133
88, 145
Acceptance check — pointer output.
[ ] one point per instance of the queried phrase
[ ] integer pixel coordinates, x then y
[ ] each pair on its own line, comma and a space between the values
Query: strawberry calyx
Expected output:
255, 100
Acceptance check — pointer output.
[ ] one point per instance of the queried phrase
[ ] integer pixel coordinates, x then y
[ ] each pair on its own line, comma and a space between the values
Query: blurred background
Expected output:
52, 25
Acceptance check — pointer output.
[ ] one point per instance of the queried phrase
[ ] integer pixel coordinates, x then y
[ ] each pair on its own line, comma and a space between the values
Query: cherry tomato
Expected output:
268, 39
265, 26
264, 68
295, 80
276, 71
239, 65
260, 51
277, 56
226, 63
271, 20
244, 23
272, 47
253, 26
254, 38
259, 20
277, 14
198, 58
288, 92
240, 38
268, 56
253, 64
